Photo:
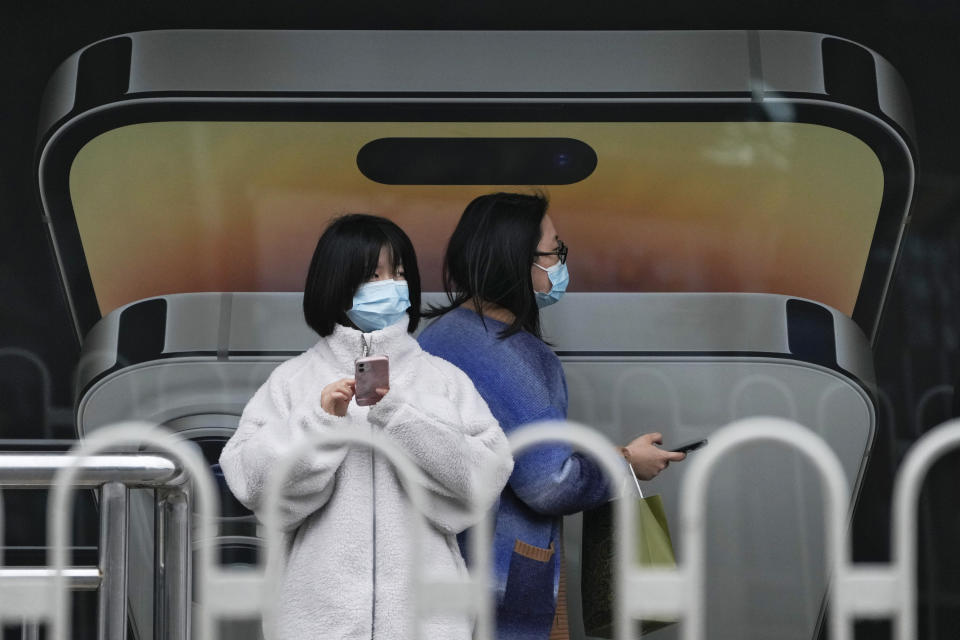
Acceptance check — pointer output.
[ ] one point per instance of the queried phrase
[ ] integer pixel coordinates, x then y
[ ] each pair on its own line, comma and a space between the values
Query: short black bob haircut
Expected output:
489, 256
345, 258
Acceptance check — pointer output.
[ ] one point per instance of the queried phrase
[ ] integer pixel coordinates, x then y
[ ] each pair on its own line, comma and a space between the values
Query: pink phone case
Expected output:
371, 373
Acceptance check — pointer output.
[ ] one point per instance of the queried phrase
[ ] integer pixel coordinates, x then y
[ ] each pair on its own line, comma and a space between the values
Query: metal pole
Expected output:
172, 584
112, 598
160, 626
30, 630
39, 469
78, 578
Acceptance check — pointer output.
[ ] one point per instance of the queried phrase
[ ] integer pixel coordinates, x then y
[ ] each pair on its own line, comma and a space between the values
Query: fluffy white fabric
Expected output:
347, 570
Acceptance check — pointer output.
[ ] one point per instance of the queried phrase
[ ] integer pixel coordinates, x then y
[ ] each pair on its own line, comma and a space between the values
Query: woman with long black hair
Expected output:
503, 263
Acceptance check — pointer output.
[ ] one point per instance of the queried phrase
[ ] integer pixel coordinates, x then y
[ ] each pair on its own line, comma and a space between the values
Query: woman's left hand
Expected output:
382, 411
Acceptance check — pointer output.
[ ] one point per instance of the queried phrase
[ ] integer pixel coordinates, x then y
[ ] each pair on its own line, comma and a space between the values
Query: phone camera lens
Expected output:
561, 159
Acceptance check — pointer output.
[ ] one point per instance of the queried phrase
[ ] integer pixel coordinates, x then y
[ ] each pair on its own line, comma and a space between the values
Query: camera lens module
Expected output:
486, 161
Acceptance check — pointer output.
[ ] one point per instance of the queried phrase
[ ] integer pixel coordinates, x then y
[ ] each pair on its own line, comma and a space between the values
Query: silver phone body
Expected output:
780, 76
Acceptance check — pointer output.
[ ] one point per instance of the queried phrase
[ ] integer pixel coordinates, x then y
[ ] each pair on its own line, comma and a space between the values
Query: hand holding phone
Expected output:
689, 446
646, 459
372, 375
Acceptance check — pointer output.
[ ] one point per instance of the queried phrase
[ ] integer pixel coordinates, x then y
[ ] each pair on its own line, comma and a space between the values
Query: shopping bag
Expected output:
654, 549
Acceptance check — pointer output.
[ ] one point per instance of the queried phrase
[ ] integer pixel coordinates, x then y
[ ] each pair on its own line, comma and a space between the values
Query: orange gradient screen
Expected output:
786, 208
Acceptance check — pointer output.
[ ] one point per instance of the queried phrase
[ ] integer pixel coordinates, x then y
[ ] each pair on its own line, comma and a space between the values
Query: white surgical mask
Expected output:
559, 279
379, 304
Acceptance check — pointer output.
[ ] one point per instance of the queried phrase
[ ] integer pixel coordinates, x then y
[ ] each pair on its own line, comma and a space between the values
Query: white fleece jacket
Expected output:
347, 572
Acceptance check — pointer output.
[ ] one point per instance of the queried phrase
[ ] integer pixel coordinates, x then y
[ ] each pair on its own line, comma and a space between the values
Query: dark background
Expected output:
917, 352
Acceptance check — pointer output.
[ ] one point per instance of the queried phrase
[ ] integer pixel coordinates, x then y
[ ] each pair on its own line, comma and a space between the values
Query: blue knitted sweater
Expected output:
522, 381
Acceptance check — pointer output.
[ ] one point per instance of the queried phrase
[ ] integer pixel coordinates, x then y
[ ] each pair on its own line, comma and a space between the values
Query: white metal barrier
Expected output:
857, 590
906, 493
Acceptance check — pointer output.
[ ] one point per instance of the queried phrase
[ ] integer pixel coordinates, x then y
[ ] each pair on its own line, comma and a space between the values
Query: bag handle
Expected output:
637, 483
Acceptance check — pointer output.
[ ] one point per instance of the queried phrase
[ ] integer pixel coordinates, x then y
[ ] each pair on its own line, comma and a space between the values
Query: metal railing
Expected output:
857, 591
28, 593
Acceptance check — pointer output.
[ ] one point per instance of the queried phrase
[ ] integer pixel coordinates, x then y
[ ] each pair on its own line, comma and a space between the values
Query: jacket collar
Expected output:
345, 345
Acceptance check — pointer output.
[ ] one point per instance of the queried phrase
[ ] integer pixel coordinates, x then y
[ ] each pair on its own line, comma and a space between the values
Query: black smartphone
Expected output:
689, 446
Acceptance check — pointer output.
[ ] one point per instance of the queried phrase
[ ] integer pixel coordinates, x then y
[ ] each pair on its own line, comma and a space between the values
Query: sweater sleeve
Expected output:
269, 430
457, 444
554, 480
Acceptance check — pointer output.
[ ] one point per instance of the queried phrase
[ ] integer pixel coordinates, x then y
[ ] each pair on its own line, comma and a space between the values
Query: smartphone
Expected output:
371, 373
689, 446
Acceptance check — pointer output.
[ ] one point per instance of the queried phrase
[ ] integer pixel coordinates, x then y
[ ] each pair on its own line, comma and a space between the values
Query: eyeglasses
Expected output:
560, 252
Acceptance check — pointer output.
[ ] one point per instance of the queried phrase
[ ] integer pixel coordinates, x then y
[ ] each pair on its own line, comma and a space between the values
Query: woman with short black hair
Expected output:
347, 570
347, 256
504, 262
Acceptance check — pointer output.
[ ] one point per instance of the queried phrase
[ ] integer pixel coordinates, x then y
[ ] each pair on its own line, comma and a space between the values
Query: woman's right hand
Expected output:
646, 458
336, 396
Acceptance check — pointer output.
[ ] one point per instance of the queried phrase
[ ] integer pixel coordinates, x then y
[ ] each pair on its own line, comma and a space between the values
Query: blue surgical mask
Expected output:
377, 305
559, 278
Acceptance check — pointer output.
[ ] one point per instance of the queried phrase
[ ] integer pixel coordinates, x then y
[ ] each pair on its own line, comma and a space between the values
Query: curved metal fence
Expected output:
180, 478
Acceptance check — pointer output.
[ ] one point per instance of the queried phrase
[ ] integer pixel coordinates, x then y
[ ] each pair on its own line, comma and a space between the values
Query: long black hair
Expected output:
489, 256
346, 257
